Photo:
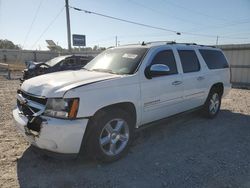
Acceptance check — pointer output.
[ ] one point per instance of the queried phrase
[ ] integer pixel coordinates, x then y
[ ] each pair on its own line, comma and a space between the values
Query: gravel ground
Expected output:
188, 151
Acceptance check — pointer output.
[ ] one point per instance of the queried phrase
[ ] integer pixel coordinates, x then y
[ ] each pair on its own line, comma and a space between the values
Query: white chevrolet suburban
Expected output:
122, 89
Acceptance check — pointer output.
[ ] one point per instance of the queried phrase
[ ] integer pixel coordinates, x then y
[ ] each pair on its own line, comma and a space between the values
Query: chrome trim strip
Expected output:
157, 102
201, 92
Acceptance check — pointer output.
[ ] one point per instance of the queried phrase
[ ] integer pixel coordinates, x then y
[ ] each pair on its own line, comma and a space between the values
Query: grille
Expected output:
25, 109
29, 110
39, 100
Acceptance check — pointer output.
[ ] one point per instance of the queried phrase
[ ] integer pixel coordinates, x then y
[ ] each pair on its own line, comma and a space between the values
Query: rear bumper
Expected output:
56, 135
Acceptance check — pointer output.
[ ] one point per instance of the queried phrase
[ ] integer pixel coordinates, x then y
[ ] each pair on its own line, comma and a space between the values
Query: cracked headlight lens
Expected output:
62, 108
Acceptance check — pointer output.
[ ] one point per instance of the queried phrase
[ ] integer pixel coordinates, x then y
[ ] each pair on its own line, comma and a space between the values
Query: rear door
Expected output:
162, 95
194, 78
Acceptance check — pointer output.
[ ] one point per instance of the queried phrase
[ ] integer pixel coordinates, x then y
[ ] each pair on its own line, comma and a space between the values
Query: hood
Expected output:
56, 84
32, 64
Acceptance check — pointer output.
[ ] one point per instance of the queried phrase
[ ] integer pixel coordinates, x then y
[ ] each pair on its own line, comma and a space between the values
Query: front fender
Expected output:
92, 100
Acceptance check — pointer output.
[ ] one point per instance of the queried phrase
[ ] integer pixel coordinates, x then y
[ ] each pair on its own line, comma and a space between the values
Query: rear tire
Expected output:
110, 135
212, 105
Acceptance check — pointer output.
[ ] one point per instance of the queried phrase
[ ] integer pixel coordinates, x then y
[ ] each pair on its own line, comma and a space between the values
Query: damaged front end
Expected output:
31, 107
50, 124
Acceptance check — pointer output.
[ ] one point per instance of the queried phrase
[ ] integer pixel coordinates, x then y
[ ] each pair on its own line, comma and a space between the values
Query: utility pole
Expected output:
68, 24
217, 38
115, 40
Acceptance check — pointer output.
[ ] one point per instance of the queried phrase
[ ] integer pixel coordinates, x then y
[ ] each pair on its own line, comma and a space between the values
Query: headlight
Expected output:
62, 108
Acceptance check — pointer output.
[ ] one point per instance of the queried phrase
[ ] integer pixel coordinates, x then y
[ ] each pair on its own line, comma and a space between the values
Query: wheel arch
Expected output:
218, 87
126, 106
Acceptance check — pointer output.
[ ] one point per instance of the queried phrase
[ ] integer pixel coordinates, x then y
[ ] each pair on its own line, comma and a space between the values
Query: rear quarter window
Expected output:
214, 59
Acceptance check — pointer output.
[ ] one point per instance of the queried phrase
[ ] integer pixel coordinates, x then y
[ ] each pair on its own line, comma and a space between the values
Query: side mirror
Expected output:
156, 70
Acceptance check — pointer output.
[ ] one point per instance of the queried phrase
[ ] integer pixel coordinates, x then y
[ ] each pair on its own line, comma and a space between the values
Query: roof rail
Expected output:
193, 44
172, 42
182, 43
166, 42
152, 42
207, 46
145, 43
129, 44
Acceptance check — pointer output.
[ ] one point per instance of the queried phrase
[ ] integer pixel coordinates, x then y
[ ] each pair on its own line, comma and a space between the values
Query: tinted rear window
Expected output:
214, 59
189, 61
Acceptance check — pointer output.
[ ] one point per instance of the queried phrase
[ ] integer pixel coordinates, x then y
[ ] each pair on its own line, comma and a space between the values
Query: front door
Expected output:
161, 95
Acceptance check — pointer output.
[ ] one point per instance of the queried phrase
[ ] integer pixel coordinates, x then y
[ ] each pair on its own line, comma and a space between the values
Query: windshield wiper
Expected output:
104, 70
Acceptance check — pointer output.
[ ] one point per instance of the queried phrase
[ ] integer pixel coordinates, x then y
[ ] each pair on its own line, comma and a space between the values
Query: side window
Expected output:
60, 64
189, 61
70, 62
214, 59
83, 61
166, 57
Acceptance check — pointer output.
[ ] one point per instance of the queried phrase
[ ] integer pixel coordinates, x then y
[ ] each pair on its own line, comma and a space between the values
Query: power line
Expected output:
0, 12
162, 13
29, 30
195, 11
49, 25
32, 23
111, 38
212, 36
239, 33
124, 20
146, 25
229, 24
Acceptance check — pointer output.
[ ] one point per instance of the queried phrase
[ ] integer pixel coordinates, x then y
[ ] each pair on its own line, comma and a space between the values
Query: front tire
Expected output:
212, 104
110, 136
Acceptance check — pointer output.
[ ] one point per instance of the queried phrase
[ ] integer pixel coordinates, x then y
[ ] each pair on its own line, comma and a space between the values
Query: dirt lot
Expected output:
188, 151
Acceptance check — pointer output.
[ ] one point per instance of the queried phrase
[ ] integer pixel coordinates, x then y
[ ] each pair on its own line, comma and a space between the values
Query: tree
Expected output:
102, 48
95, 47
7, 44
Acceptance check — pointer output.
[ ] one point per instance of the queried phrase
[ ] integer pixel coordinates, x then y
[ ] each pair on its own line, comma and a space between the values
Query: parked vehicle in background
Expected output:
60, 63
120, 90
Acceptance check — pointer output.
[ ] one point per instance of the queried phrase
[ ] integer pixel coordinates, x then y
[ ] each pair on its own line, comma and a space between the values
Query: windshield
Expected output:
117, 60
54, 61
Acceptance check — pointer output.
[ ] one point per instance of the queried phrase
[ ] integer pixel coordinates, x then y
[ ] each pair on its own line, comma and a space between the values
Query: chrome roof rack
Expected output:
166, 43
192, 44
155, 42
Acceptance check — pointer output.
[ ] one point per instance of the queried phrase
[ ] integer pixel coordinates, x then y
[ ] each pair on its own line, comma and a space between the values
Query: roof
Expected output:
163, 43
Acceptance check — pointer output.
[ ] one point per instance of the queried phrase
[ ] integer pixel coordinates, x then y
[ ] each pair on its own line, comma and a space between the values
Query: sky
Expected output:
30, 22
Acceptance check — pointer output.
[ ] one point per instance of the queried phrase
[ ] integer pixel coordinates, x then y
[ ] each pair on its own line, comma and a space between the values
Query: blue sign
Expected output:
79, 40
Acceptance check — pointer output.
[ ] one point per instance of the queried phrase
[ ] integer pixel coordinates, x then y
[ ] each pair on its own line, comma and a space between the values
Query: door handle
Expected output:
200, 78
176, 83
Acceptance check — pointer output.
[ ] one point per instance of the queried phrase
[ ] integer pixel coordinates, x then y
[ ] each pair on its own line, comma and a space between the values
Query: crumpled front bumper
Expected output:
56, 135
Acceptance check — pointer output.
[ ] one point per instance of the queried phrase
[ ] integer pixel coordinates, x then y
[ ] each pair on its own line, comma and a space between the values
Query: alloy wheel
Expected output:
214, 103
114, 137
